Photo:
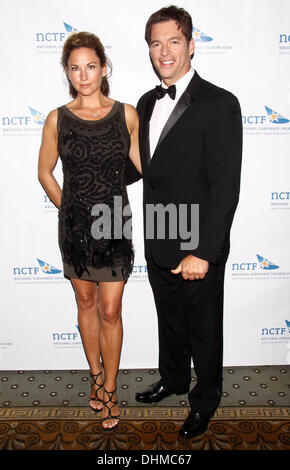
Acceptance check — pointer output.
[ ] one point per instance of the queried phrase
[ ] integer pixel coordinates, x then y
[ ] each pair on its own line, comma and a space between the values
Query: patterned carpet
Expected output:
48, 410
145, 429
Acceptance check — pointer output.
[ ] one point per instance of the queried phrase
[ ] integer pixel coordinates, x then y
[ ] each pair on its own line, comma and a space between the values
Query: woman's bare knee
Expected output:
86, 301
86, 295
110, 313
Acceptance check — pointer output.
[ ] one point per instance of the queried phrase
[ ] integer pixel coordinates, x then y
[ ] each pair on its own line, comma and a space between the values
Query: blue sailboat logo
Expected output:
69, 28
274, 117
198, 35
47, 268
39, 118
266, 264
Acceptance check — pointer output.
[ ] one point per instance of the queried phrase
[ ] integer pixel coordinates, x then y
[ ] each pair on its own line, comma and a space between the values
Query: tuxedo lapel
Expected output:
145, 128
183, 103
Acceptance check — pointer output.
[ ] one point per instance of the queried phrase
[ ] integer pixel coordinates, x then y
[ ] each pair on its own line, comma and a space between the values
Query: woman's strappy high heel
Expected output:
94, 378
109, 408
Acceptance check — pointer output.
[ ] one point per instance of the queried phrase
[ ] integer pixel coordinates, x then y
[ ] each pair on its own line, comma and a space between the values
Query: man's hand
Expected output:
192, 268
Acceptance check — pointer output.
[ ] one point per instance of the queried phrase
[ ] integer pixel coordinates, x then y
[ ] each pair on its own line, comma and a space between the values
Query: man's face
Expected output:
169, 51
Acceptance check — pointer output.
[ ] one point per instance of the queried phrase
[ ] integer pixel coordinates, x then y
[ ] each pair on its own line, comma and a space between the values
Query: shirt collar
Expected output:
182, 83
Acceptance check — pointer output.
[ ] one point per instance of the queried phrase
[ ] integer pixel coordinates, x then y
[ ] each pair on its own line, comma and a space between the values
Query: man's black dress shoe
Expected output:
155, 393
195, 424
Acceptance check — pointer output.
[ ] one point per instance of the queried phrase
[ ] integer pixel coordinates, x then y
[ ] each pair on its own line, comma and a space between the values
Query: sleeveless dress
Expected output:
95, 236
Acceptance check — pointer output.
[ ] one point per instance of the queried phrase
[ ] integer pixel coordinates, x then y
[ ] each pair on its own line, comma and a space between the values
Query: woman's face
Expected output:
85, 71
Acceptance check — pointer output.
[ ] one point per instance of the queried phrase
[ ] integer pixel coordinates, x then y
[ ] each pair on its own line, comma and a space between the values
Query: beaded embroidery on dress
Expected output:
93, 155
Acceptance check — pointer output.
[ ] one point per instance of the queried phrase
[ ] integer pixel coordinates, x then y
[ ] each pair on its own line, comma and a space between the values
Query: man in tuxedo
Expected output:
190, 145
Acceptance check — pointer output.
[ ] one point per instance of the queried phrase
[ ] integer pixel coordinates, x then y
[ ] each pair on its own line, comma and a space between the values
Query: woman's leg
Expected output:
111, 336
86, 293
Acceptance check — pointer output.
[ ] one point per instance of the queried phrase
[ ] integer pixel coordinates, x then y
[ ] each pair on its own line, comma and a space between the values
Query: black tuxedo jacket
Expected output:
197, 161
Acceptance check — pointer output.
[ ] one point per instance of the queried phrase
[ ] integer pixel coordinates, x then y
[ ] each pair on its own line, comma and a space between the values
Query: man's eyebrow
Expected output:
169, 39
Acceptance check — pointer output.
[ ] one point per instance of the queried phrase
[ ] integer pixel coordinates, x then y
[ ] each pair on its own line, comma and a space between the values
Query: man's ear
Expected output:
191, 46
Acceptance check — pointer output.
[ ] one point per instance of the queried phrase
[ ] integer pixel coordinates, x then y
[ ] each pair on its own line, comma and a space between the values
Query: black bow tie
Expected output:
160, 92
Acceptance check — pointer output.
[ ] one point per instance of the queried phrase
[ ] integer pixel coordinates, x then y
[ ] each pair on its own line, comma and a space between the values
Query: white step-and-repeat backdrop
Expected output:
243, 46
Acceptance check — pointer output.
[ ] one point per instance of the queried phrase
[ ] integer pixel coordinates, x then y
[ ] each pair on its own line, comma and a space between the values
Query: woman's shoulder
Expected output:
130, 111
131, 116
51, 121
51, 118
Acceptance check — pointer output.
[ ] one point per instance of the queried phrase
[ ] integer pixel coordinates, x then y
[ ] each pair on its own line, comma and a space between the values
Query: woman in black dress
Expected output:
93, 135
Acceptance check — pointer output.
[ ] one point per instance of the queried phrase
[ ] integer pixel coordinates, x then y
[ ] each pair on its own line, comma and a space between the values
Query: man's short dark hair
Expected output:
182, 18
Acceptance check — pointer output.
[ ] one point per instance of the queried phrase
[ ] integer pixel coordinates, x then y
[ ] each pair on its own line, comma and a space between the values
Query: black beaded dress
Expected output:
95, 235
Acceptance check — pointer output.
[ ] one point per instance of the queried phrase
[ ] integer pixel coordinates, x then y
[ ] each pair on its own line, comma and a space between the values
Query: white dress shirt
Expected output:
164, 107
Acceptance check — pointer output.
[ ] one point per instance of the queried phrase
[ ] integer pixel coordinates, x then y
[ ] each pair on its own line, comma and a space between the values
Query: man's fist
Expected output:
192, 268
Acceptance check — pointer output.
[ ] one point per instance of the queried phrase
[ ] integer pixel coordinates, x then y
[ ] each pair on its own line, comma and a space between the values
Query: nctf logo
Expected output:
284, 44
266, 264
22, 124
38, 117
199, 36
66, 338
139, 273
35, 117
55, 36
280, 200
274, 333
47, 268
261, 269
275, 117
52, 41
262, 263
42, 272
206, 44
48, 205
271, 123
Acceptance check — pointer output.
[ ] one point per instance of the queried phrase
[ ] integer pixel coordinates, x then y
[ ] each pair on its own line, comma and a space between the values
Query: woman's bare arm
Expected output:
132, 120
48, 156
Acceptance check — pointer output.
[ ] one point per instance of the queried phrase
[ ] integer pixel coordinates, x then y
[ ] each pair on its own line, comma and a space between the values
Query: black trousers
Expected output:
190, 327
